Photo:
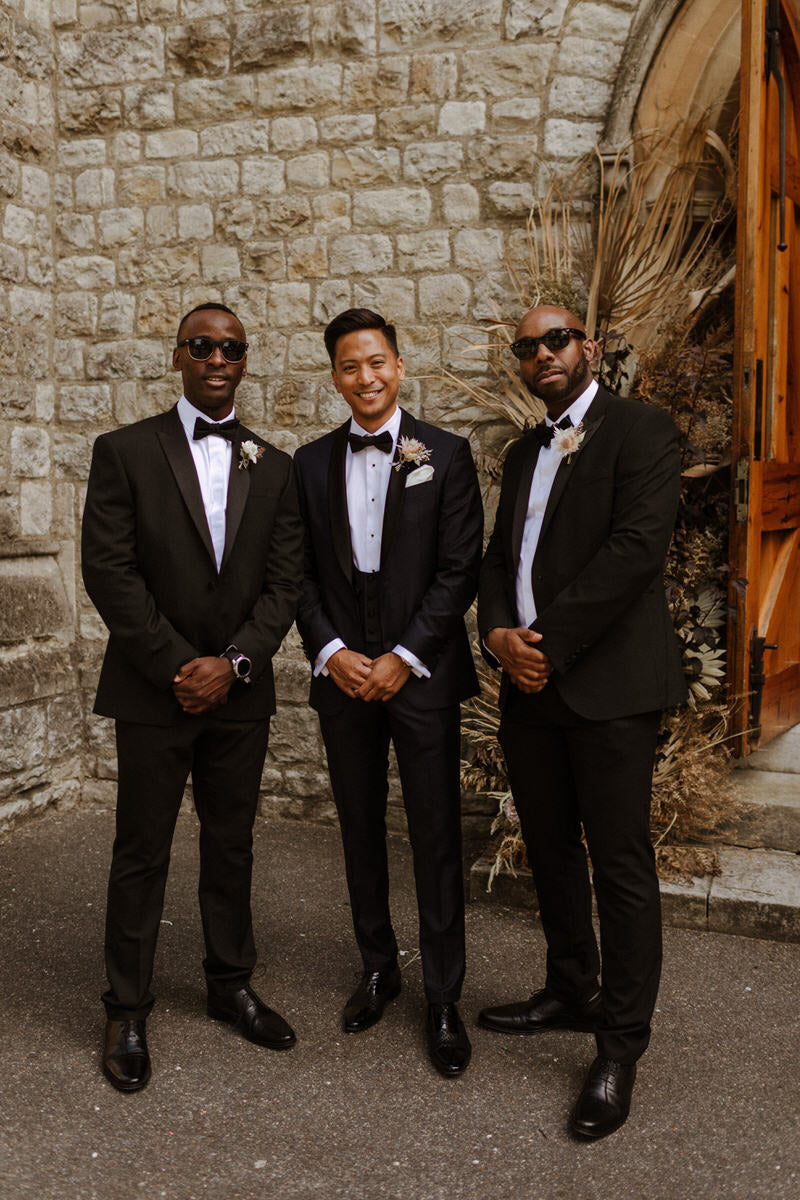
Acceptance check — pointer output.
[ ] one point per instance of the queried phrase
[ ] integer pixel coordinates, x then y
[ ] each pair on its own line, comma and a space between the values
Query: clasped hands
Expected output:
202, 684
366, 678
515, 649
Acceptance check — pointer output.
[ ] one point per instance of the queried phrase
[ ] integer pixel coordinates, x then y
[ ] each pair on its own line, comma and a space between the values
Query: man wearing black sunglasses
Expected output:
192, 553
571, 605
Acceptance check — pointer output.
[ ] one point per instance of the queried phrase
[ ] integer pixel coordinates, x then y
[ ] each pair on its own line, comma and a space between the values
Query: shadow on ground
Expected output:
715, 1109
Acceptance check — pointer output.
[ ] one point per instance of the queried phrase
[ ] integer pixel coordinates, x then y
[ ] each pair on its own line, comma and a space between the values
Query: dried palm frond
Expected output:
645, 250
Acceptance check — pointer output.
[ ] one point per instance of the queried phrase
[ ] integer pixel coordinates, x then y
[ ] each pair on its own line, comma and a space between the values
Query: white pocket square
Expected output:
420, 475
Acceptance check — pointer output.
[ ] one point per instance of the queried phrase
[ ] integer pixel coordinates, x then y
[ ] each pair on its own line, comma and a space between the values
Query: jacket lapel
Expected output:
238, 490
396, 492
591, 423
521, 493
179, 457
337, 501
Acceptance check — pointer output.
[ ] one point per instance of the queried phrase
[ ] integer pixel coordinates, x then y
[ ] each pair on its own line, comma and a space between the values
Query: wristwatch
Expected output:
242, 665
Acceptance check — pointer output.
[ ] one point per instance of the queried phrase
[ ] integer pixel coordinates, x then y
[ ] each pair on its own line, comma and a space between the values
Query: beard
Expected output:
566, 385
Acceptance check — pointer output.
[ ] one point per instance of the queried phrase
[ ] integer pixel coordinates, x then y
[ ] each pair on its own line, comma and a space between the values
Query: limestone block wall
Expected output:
290, 159
41, 716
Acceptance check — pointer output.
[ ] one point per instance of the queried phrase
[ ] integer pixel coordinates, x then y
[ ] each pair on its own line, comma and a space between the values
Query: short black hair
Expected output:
357, 318
201, 308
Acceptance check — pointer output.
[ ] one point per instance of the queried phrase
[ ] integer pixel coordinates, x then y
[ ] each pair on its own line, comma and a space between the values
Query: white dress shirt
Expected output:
547, 464
212, 460
367, 476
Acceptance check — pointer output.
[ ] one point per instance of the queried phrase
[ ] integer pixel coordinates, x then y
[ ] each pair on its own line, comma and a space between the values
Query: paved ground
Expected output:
715, 1109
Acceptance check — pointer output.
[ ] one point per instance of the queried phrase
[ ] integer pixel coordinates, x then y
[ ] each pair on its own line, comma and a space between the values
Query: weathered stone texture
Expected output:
114, 56
274, 34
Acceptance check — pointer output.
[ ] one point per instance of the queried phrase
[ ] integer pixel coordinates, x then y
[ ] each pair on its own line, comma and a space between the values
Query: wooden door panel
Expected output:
764, 631
780, 496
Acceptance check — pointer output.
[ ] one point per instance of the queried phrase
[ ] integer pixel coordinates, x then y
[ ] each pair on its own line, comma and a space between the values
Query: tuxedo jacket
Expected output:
599, 563
149, 567
430, 557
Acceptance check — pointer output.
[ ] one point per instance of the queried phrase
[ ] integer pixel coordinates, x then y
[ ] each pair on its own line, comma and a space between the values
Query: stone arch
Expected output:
681, 59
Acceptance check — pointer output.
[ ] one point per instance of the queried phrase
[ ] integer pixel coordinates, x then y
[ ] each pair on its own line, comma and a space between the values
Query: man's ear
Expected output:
591, 350
401, 367
176, 358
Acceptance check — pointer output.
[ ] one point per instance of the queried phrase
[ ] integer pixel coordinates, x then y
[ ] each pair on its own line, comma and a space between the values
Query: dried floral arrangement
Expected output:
624, 244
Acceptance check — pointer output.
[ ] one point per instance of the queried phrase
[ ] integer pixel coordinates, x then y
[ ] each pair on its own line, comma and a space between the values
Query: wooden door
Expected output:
764, 630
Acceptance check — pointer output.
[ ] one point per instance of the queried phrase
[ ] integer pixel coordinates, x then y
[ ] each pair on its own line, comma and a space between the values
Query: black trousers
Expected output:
225, 760
567, 772
427, 746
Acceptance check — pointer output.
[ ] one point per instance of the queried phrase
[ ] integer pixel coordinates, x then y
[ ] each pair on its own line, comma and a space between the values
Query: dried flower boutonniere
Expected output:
249, 453
410, 453
568, 441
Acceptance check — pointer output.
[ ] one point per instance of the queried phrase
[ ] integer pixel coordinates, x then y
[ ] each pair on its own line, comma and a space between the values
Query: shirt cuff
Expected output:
488, 651
325, 653
418, 668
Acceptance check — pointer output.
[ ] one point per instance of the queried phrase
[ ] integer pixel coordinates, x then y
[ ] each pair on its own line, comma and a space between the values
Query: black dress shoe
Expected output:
252, 1018
605, 1100
126, 1062
448, 1044
541, 1012
365, 1006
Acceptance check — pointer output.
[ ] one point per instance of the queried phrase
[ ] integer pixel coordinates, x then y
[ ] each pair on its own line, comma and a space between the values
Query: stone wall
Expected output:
41, 721
290, 159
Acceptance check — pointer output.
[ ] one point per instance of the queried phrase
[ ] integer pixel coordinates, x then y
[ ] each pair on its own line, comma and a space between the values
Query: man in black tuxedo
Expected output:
394, 527
571, 605
192, 553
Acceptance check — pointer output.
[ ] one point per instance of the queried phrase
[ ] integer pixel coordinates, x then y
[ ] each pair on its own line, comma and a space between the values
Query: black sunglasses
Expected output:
201, 348
554, 339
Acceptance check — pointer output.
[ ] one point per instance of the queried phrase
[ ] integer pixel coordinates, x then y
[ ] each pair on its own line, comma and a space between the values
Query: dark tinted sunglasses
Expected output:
201, 348
554, 339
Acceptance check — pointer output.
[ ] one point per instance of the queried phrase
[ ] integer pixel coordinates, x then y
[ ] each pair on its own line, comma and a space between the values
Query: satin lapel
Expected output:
337, 501
179, 457
396, 492
591, 423
238, 491
522, 493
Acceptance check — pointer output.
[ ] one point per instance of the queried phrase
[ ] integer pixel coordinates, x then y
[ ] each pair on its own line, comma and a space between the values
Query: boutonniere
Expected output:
568, 441
249, 453
410, 453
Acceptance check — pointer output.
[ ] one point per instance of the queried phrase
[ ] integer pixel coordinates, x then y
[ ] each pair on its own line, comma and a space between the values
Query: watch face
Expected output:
242, 666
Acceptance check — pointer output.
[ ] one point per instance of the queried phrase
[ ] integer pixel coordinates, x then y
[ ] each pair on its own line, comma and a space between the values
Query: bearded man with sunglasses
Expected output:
571, 606
192, 554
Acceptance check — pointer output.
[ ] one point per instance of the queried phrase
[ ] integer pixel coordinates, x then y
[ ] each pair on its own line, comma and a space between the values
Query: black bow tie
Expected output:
543, 433
225, 429
381, 441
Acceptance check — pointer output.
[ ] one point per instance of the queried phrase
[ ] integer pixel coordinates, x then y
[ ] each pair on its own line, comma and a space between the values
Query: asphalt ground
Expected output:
715, 1111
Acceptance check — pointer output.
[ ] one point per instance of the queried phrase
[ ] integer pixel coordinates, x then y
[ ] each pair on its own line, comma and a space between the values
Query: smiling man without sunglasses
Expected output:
394, 528
192, 553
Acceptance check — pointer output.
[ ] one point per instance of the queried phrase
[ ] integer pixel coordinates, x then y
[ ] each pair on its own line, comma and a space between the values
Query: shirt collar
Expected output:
189, 414
392, 426
579, 408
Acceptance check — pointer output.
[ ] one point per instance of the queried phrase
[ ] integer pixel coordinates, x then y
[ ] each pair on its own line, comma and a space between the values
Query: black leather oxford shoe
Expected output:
252, 1018
126, 1062
542, 1011
448, 1045
605, 1101
365, 1006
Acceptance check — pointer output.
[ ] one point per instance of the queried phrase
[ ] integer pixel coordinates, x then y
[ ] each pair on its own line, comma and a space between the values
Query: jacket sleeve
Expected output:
458, 556
496, 587
112, 576
646, 494
260, 635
